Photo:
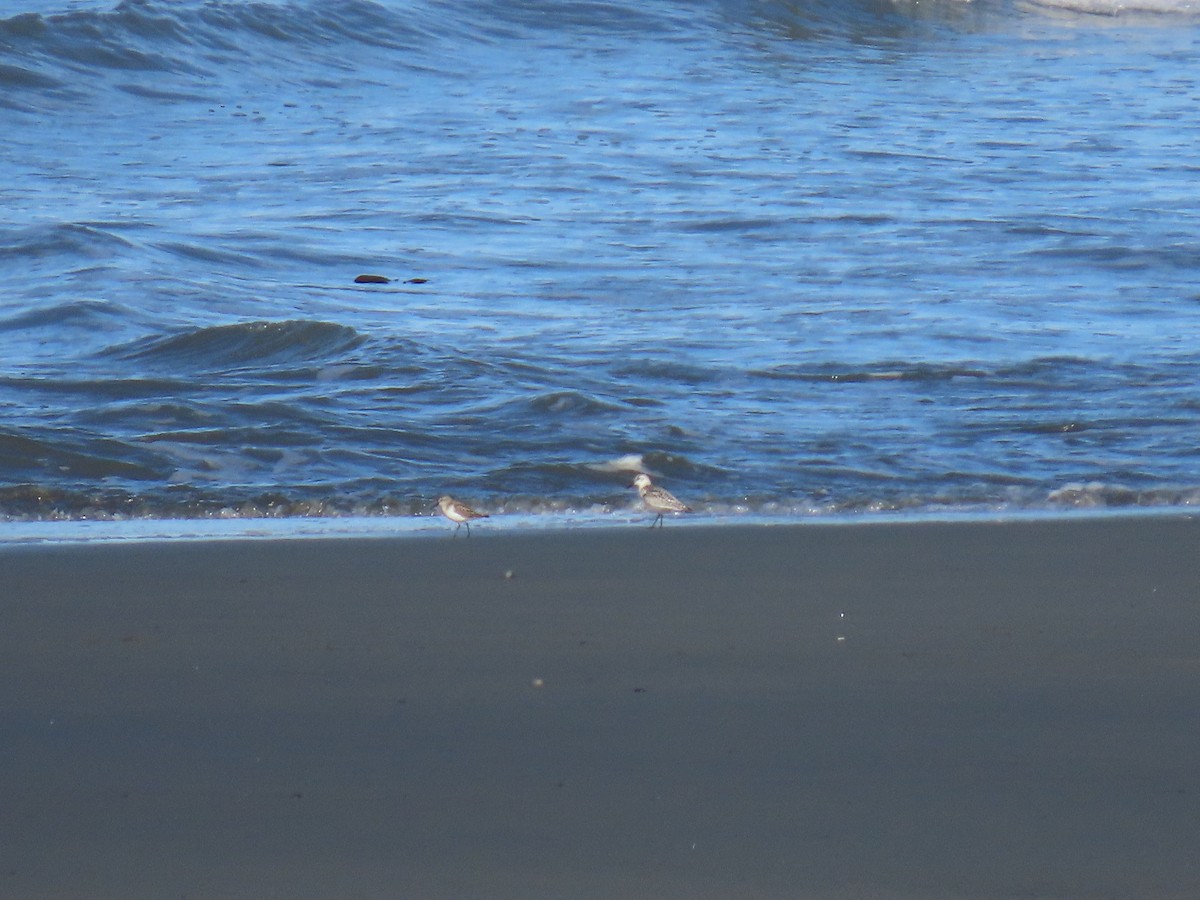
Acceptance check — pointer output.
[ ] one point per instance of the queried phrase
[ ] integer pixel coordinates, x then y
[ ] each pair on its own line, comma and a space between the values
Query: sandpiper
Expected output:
657, 499
457, 511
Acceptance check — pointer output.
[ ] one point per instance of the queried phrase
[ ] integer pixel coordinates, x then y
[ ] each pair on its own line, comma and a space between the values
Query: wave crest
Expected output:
262, 342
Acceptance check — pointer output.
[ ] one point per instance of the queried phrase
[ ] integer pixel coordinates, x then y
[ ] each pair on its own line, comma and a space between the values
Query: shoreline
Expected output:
31, 532
931, 709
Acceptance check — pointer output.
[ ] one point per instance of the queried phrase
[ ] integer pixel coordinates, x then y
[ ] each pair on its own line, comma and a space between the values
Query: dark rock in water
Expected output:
417, 281
372, 279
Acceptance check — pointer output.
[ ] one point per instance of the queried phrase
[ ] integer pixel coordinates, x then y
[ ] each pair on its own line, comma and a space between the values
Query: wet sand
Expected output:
829, 711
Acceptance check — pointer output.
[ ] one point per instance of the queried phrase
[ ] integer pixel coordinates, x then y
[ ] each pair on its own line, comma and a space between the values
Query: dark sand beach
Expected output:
974, 710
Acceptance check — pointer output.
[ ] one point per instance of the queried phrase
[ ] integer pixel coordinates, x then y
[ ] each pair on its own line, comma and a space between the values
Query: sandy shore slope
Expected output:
828, 711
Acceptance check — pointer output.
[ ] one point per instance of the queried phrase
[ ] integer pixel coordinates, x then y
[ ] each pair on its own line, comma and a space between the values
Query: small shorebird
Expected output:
658, 500
457, 511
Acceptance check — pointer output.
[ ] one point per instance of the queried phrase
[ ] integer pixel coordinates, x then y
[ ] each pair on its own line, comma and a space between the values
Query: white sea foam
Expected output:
1119, 7
633, 463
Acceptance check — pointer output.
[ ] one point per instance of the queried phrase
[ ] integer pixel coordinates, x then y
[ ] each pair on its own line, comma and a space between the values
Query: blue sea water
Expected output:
792, 257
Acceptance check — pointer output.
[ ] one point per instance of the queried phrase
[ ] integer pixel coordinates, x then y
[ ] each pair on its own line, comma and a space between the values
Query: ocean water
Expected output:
792, 257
